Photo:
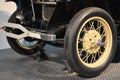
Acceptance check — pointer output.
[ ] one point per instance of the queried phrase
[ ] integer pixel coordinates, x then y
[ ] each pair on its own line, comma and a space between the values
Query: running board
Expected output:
26, 33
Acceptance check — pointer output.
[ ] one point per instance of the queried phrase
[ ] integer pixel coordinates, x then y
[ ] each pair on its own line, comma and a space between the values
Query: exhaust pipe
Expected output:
26, 33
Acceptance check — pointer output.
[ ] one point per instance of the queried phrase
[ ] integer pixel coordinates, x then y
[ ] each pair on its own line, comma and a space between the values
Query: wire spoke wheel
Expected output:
26, 46
90, 41
94, 42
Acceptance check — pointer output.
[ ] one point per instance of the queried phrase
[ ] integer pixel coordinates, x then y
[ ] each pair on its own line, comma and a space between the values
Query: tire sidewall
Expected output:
13, 43
74, 28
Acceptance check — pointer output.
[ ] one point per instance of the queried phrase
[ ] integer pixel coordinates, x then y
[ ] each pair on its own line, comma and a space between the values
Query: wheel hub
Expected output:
92, 41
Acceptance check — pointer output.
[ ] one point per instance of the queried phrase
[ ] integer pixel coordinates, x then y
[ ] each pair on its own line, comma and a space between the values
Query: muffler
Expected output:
25, 32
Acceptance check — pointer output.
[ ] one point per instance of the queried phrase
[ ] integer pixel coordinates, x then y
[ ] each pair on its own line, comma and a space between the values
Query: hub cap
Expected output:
91, 40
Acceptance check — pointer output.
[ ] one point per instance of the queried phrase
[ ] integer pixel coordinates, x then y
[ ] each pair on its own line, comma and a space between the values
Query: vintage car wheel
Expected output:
25, 46
90, 41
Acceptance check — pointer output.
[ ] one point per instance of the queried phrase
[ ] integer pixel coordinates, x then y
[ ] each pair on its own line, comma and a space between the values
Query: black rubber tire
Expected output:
14, 45
71, 37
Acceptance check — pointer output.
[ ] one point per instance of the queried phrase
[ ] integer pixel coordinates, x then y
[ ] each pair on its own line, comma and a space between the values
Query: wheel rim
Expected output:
94, 42
27, 44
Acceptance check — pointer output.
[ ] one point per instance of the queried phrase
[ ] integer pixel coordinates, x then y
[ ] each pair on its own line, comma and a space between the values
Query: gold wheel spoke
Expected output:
93, 58
103, 33
99, 26
102, 36
85, 30
80, 50
98, 29
92, 27
81, 40
104, 44
86, 58
99, 53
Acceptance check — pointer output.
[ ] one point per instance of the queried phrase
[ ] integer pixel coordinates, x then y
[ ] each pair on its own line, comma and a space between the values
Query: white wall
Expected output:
6, 9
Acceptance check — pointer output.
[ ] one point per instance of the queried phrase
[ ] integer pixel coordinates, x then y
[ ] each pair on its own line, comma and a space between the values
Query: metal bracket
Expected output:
26, 33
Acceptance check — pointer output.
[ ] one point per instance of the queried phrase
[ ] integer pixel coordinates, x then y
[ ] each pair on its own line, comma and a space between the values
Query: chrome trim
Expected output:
26, 33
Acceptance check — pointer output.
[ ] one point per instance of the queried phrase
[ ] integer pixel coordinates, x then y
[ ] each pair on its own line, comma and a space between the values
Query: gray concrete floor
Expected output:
17, 67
